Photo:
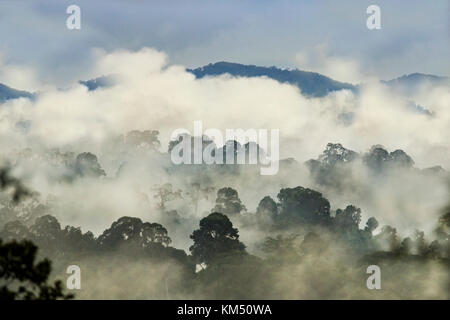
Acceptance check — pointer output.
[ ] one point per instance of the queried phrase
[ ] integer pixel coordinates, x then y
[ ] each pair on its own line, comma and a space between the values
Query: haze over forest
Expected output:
364, 179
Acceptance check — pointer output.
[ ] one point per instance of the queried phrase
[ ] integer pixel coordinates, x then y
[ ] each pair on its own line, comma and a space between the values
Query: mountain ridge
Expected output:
8, 93
312, 84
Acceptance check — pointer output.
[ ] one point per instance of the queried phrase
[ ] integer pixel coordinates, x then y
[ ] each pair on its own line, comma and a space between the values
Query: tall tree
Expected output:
228, 202
87, 165
216, 237
348, 219
303, 205
129, 230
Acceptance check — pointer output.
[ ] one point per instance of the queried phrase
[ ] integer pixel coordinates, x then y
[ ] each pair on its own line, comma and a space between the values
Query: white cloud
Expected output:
153, 94
318, 59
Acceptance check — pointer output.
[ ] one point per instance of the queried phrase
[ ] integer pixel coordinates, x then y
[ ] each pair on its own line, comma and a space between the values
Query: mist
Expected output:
42, 138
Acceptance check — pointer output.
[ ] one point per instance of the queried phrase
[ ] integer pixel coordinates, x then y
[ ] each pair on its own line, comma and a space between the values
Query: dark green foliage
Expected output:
128, 230
267, 207
308, 251
379, 159
336, 153
334, 167
347, 219
75, 240
302, 206
47, 234
216, 237
371, 225
228, 202
21, 277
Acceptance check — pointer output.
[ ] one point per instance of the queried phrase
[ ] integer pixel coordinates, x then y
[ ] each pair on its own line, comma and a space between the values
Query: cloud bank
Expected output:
152, 93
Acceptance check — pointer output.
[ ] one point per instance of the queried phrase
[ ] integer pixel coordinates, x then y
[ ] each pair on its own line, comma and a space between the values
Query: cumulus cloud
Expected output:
19, 76
319, 59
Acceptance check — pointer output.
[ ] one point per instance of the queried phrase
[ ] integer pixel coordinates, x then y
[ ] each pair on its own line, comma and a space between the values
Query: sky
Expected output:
309, 35
149, 44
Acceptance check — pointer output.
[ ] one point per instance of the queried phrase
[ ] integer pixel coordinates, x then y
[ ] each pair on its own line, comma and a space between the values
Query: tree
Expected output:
406, 246
420, 243
15, 230
216, 237
401, 159
371, 225
267, 207
387, 238
23, 278
86, 165
129, 230
165, 193
46, 231
281, 248
144, 140
378, 159
228, 202
8, 181
336, 153
302, 205
348, 219
75, 240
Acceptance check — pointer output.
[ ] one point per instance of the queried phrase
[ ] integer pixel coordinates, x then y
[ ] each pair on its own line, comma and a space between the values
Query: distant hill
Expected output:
415, 79
310, 83
100, 82
411, 83
7, 93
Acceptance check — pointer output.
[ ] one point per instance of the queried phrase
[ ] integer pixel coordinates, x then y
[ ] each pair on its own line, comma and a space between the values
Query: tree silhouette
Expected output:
228, 202
216, 237
129, 230
267, 207
23, 278
348, 219
302, 205
86, 165
371, 225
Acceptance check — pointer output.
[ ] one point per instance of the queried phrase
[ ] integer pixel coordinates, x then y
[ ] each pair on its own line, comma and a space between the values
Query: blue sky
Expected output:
414, 35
